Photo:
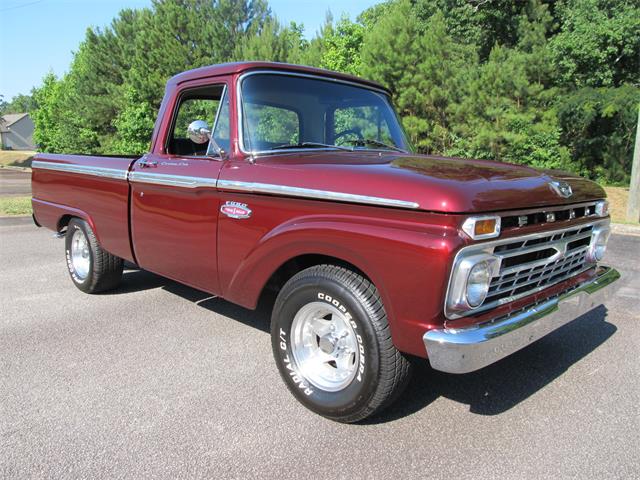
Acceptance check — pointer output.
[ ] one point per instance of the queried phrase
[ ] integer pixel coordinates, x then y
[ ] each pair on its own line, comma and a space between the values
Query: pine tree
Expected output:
426, 73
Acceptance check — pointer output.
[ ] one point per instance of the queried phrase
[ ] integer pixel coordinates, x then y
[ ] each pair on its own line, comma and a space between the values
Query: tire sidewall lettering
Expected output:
304, 386
349, 317
320, 288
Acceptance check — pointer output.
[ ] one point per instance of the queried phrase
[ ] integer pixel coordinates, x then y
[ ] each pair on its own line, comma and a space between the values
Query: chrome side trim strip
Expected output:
114, 173
315, 194
172, 180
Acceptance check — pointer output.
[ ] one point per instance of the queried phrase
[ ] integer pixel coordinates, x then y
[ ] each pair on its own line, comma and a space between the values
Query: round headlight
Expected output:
599, 246
478, 284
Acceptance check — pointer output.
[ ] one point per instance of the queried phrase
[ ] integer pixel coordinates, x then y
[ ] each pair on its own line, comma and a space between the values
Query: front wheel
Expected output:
332, 344
91, 268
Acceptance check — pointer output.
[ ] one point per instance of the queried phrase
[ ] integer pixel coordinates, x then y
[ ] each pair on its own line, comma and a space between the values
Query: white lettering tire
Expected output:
332, 344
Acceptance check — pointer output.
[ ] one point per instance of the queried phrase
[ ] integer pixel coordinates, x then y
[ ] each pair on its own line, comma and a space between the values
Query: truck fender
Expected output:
55, 216
378, 244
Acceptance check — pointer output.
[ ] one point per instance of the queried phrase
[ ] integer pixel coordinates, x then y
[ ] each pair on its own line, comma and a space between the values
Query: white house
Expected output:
16, 131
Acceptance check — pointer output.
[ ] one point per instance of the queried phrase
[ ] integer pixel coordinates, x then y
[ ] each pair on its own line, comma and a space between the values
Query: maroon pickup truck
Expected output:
266, 177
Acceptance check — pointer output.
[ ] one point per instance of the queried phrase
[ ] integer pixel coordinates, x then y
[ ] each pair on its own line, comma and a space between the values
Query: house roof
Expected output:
9, 119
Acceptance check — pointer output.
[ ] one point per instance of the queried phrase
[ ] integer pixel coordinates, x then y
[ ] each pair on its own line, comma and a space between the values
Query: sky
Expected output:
38, 36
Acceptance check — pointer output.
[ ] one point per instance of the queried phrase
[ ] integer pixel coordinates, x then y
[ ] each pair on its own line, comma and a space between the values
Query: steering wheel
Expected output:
349, 131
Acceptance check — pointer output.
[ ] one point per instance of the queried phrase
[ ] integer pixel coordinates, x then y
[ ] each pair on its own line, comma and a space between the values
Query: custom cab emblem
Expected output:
561, 188
235, 210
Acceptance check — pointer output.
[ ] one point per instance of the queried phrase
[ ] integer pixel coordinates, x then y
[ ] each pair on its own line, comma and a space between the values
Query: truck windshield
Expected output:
283, 112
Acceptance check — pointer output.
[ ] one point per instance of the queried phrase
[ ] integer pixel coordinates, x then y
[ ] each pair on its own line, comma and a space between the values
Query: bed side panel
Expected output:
94, 188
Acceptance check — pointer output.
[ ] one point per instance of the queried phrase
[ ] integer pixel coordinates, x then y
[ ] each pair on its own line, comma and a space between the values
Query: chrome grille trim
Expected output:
533, 216
514, 213
560, 246
534, 270
537, 274
512, 285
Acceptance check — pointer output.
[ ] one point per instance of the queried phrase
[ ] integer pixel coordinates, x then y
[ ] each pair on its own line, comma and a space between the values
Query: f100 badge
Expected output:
235, 210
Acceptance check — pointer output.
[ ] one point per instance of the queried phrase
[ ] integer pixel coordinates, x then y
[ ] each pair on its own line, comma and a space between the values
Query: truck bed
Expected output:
91, 187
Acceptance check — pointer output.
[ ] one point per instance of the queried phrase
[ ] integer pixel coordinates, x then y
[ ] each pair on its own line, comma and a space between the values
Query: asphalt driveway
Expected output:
160, 380
15, 183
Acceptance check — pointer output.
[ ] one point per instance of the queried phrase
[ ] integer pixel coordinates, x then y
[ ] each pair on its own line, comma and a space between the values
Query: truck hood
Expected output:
437, 184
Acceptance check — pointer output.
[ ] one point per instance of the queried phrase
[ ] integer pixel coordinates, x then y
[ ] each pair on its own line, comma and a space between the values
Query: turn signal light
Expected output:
485, 227
479, 228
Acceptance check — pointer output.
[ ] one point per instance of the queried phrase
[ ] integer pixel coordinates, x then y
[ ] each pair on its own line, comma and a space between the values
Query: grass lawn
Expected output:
16, 158
15, 206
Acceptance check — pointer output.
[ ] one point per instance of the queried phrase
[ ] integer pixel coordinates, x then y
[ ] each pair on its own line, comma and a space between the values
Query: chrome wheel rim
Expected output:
324, 346
80, 255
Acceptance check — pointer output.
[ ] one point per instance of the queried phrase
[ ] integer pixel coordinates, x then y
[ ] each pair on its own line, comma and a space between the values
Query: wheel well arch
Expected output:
301, 262
63, 222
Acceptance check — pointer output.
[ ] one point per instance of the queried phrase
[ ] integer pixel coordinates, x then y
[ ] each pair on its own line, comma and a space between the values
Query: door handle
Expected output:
147, 163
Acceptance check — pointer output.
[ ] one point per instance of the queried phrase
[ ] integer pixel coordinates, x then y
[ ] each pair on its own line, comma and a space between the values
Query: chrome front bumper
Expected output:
469, 349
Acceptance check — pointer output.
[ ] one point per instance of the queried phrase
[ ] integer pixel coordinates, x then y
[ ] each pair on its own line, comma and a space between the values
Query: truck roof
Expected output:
232, 68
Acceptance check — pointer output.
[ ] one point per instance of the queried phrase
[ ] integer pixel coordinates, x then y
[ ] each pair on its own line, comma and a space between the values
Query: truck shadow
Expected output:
137, 280
491, 391
499, 387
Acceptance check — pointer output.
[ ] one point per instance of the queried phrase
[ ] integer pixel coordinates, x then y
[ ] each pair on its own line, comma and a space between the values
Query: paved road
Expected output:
14, 183
159, 380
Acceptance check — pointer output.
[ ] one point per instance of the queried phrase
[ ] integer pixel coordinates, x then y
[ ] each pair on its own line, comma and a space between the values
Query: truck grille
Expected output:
523, 265
555, 214
534, 264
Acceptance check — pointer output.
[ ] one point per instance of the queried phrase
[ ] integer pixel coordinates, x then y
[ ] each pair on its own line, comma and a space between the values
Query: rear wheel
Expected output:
91, 268
332, 344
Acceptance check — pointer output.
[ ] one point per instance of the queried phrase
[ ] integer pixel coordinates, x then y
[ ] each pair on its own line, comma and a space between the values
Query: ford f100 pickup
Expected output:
266, 177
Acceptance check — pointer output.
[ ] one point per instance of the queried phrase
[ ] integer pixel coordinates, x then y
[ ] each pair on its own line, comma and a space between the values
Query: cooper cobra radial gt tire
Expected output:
332, 344
92, 269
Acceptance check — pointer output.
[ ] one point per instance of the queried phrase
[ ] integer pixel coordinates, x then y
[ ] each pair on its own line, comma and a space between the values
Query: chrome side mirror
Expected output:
198, 131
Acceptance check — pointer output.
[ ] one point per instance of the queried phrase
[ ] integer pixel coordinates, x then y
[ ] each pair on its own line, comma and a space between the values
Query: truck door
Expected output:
174, 200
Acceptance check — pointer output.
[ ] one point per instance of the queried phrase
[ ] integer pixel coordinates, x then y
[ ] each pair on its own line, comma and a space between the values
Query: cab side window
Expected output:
202, 104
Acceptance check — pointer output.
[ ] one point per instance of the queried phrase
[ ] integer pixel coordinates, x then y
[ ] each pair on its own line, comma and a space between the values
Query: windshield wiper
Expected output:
363, 142
309, 145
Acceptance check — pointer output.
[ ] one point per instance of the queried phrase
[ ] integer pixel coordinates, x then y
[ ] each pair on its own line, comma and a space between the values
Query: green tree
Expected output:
133, 124
504, 115
178, 35
45, 118
598, 125
342, 45
18, 104
273, 43
479, 23
426, 72
313, 52
111, 95
369, 17
56, 127
598, 44
548, 84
